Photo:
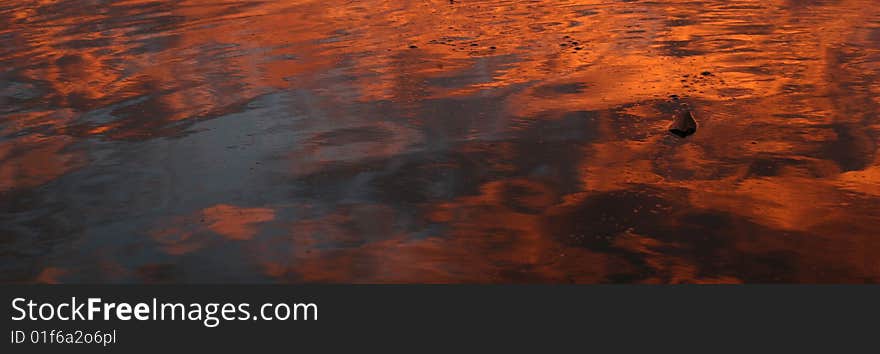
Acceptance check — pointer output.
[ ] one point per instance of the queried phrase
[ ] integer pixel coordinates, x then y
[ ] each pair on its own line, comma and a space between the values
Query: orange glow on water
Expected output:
429, 141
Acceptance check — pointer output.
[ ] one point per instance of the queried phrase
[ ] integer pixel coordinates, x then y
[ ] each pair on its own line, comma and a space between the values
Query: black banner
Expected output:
414, 318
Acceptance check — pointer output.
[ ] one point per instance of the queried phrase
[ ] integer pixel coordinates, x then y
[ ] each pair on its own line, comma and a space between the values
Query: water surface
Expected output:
439, 141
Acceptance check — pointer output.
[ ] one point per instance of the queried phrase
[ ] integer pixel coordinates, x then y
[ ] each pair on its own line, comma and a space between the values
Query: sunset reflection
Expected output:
432, 141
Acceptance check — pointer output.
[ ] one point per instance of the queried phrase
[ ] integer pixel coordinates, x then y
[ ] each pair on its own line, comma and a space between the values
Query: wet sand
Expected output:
427, 141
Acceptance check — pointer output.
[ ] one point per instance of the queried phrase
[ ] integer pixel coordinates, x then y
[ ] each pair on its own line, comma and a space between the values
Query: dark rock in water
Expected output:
705, 73
413, 47
683, 123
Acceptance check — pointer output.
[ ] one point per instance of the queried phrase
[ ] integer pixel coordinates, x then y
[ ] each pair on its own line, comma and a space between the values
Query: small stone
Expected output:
705, 73
683, 123
412, 47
